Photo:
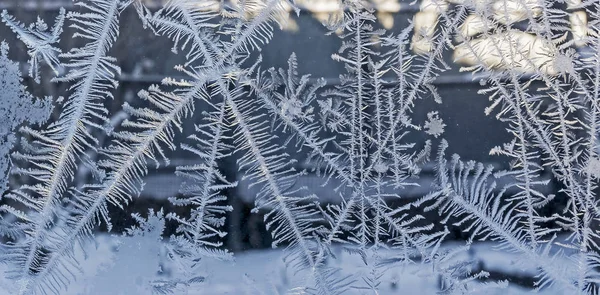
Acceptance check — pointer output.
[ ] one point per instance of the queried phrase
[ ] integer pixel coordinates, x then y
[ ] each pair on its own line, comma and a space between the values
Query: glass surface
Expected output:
299, 147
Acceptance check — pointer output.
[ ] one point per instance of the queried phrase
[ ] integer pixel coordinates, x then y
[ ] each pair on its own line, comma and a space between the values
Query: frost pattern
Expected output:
434, 124
357, 138
18, 106
40, 40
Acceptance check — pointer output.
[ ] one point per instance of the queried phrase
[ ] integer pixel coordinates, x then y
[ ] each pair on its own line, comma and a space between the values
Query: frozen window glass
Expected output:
299, 147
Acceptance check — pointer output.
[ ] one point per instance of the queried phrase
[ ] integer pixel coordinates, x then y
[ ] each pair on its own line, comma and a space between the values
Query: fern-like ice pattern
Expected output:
365, 142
